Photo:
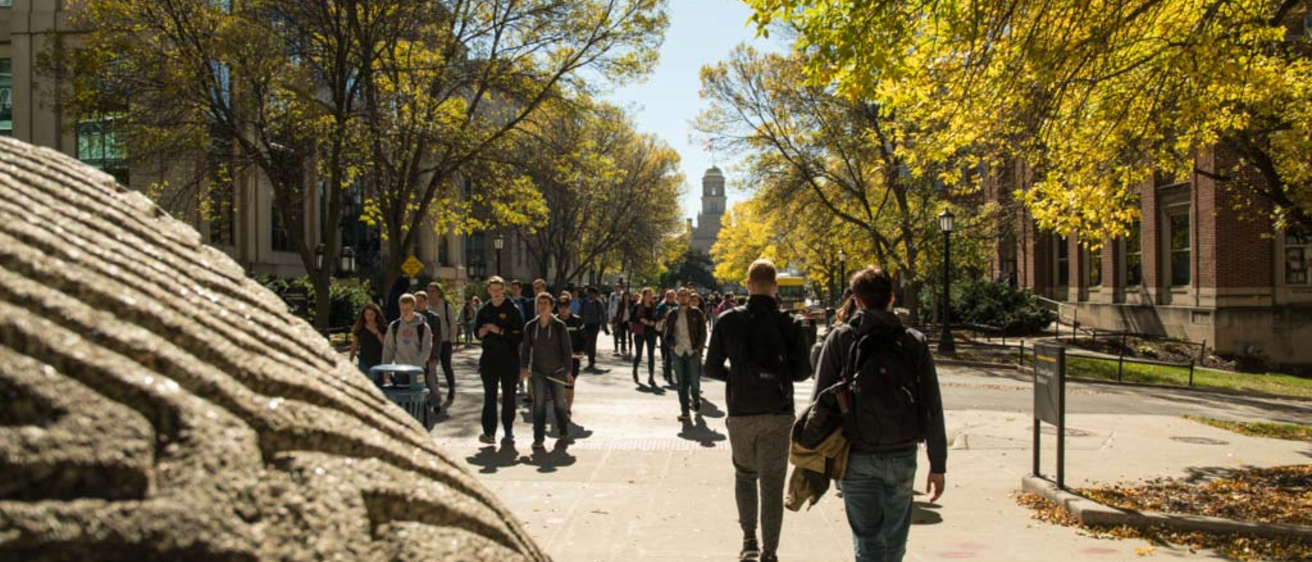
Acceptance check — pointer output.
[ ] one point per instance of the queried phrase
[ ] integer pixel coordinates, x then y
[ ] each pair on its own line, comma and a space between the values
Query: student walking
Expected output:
613, 302
408, 341
766, 352
895, 405
685, 328
445, 314
623, 314
577, 342
593, 312
500, 327
367, 337
644, 332
667, 306
434, 331
546, 354
467, 317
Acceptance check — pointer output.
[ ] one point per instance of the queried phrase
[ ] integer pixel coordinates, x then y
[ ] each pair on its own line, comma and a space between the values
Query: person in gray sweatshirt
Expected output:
547, 356
408, 341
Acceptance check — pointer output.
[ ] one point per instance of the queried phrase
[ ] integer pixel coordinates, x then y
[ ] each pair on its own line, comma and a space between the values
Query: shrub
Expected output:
1015, 310
346, 296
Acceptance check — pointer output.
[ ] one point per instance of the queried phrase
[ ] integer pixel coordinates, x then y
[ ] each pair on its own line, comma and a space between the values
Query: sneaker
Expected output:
751, 552
486, 439
769, 557
684, 417
539, 446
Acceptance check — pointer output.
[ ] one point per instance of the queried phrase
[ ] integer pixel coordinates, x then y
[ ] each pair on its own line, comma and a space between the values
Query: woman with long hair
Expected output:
367, 337
644, 331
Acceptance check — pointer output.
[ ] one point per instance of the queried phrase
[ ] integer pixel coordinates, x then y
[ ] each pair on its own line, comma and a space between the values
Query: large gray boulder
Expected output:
157, 404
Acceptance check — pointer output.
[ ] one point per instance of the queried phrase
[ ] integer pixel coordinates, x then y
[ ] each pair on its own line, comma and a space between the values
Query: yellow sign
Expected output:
412, 266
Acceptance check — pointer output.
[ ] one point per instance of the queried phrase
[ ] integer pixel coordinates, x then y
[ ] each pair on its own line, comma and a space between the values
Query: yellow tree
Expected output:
1096, 96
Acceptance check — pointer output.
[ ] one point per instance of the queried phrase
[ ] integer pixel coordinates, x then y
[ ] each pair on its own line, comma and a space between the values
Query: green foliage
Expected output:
347, 297
1286, 431
691, 268
1017, 311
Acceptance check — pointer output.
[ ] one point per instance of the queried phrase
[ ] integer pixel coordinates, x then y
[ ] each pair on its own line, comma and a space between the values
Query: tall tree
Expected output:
1097, 97
607, 187
808, 146
219, 89
442, 111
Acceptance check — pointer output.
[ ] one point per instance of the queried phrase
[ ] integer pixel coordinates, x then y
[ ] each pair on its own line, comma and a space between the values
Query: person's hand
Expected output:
934, 484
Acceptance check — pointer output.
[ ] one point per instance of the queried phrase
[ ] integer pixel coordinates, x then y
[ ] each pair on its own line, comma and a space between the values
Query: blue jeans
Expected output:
688, 369
542, 387
877, 490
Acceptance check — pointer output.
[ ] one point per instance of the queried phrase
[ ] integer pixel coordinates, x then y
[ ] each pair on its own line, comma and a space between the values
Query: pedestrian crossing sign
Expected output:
412, 266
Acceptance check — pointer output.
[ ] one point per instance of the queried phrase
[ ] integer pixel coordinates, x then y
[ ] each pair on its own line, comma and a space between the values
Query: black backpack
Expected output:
396, 326
882, 375
762, 365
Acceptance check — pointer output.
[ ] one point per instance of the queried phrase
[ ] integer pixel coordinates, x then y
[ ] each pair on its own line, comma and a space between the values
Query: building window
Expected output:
1177, 222
98, 145
1063, 252
1094, 267
1298, 254
6, 3
1134, 257
443, 254
286, 237
6, 94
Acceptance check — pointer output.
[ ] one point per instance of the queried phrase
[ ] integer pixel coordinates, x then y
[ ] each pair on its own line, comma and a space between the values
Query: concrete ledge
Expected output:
1091, 512
940, 360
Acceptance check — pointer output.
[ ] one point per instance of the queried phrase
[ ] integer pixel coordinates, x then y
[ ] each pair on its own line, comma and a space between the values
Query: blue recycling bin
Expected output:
406, 389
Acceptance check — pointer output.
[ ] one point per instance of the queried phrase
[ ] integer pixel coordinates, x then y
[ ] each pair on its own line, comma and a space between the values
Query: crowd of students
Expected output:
876, 397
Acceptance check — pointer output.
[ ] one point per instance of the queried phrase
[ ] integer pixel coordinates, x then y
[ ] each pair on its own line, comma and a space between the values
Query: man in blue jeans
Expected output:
685, 329
885, 425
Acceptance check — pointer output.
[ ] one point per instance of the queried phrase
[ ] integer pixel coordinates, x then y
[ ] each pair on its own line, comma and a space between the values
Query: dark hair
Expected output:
359, 320
873, 287
517, 283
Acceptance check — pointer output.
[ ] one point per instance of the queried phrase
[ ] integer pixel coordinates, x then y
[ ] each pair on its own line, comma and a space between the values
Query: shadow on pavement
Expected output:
921, 514
651, 390
710, 410
489, 458
701, 433
550, 460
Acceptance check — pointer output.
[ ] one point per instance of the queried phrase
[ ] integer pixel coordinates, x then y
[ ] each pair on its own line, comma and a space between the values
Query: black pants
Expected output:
622, 337
650, 339
590, 342
667, 361
444, 355
505, 376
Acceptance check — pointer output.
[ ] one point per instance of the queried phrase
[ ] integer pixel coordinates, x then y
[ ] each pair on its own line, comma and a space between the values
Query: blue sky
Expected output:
701, 32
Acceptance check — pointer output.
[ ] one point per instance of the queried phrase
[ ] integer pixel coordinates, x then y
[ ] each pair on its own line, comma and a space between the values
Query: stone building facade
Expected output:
1198, 266
244, 226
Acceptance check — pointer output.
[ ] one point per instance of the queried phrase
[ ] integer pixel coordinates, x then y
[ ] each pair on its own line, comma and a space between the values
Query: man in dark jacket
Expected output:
500, 327
880, 479
767, 354
685, 329
593, 312
547, 355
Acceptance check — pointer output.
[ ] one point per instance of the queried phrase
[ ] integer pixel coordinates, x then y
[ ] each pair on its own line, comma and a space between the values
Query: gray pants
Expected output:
760, 458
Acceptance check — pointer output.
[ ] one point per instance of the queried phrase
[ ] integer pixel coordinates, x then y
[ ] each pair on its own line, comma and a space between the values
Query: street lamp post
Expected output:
499, 242
318, 256
945, 343
842, 274
346, 265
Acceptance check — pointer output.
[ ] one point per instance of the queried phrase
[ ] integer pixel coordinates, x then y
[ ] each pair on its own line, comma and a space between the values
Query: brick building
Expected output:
1198, 266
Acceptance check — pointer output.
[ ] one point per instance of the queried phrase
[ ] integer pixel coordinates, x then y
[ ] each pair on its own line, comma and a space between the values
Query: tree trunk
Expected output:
322, 281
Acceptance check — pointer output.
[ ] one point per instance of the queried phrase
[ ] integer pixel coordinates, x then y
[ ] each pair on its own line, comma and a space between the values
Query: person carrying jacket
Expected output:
547, 355
685, 329
767, 354
878, 484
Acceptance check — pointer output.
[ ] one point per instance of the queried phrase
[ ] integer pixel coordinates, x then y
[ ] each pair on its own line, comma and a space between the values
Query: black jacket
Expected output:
696, 329
727, 340
501, 349
575, 325
829, 370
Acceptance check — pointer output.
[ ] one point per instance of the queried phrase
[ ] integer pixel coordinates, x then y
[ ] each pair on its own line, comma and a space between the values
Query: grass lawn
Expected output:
1271, 383
1287, 431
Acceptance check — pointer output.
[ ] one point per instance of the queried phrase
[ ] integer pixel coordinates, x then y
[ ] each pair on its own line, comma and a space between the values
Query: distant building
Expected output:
708, 221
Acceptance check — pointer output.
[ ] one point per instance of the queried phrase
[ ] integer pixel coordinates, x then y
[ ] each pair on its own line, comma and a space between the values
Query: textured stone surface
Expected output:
157, 404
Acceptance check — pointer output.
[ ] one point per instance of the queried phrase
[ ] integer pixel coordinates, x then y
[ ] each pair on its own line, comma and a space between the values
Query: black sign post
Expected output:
1050, 401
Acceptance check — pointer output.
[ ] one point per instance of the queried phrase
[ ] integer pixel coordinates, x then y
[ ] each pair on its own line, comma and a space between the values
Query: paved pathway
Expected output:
638, 485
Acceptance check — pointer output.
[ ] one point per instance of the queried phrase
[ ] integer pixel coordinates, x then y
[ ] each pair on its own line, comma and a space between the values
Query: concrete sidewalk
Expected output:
638, 485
